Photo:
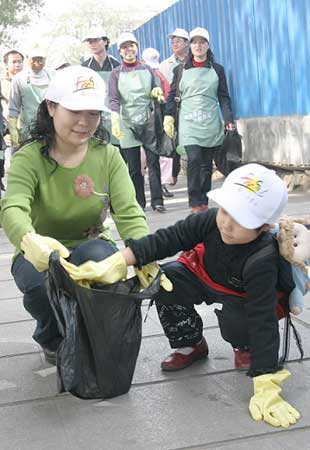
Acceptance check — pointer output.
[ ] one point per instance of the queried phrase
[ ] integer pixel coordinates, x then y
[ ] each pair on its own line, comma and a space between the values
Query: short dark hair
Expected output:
42, 129
12, 52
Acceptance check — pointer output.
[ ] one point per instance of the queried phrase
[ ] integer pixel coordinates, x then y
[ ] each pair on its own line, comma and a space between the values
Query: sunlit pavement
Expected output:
202, 407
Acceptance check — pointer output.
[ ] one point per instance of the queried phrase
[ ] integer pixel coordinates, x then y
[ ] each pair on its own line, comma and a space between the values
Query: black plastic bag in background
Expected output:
152, 133
101, 331
229, 156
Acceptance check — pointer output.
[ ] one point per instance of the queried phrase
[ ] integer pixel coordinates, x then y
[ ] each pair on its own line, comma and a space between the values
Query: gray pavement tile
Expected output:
8, 289
26, 377
5, 273
16, 338
12, 310
181, 414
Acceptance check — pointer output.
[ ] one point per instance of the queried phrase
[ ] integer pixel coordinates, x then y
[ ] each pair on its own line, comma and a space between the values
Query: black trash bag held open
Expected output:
101, 331
229, 156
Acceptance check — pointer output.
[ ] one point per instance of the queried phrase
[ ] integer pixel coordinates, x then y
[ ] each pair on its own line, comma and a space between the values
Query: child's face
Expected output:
231, 232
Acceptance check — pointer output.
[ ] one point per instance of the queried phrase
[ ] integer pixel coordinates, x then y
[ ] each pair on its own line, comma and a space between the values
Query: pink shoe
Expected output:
177, 361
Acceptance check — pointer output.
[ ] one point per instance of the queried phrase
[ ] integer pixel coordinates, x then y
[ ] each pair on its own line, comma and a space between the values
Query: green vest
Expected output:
32, 97
135, 89
199, 117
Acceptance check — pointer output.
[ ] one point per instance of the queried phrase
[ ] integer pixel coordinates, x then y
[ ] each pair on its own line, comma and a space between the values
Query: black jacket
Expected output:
226, 265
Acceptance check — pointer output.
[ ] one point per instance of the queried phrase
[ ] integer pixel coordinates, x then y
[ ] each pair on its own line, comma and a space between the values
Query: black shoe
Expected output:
165, 191
159, 208
2, 187
50, 356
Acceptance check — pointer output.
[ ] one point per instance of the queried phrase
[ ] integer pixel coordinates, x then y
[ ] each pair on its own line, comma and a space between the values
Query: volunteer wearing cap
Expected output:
27, 92
13, 61
151, 57
60, 187
132, 86
230, 258
98, 43
179, 44
200, 130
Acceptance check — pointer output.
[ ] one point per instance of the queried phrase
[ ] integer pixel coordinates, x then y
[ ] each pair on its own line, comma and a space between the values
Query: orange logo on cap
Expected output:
83, 83
252, 184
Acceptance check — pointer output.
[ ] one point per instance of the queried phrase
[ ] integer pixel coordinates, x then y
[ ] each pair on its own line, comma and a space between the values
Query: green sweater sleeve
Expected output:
16, 204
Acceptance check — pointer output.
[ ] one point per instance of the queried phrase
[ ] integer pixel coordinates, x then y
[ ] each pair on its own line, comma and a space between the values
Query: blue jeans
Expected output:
32, 284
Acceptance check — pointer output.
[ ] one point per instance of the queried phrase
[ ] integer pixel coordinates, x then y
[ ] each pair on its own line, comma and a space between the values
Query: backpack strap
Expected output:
288, 324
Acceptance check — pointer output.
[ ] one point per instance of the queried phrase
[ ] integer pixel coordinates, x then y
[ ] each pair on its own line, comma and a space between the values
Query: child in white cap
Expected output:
230, 258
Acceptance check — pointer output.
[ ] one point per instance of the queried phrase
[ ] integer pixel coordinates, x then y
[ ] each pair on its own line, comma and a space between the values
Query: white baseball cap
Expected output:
126, 37
77, 88
95, 33
151, 57
36, 52
252, 195
199, 32
179, 32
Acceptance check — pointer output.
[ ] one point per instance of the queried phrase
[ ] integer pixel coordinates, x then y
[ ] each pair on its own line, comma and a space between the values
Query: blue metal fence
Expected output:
263, 44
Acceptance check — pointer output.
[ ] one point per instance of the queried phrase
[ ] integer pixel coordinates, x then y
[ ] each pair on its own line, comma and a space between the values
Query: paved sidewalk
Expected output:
202, 407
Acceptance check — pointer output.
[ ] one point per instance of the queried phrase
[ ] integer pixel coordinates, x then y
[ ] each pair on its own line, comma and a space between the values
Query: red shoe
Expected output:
177, 361
242, 358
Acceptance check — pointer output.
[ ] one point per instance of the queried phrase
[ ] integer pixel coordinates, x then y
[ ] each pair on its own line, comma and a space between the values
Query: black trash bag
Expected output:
152, 134
229, 156
101, 330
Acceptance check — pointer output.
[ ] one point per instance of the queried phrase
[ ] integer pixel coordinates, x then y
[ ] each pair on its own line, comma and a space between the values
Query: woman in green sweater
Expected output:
60, 188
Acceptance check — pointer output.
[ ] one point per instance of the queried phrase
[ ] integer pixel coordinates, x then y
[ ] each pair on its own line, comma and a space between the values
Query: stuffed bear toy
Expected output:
294, 246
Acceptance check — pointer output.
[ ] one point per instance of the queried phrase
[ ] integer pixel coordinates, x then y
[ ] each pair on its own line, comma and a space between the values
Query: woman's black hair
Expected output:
42, 129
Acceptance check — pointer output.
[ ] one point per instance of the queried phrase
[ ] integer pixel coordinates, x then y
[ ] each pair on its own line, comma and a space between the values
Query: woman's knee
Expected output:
93, 250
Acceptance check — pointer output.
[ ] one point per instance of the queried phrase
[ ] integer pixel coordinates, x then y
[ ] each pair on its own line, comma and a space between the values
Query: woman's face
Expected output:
73, 128
199, 47
128, 52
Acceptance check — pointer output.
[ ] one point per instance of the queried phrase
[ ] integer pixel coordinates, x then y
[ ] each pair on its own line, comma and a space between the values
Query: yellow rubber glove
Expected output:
12, 122
157, 94
116, 125
266, 403
37, 249
107, 271
148, 273
169, 126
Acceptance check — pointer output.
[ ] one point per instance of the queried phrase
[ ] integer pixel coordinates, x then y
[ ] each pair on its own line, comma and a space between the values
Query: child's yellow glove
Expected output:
266, 403
149, 272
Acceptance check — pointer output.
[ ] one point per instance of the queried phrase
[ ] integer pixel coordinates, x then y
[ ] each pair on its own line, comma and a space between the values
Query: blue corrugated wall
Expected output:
264, 46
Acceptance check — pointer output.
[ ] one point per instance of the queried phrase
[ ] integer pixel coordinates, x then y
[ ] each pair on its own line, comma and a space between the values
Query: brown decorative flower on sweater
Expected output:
84, 186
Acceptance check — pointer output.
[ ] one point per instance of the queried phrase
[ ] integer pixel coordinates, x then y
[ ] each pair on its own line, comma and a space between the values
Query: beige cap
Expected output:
199, 32
126, 37
77, 88
151, 57
179, 32
36, 52
252, 195
95, 33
